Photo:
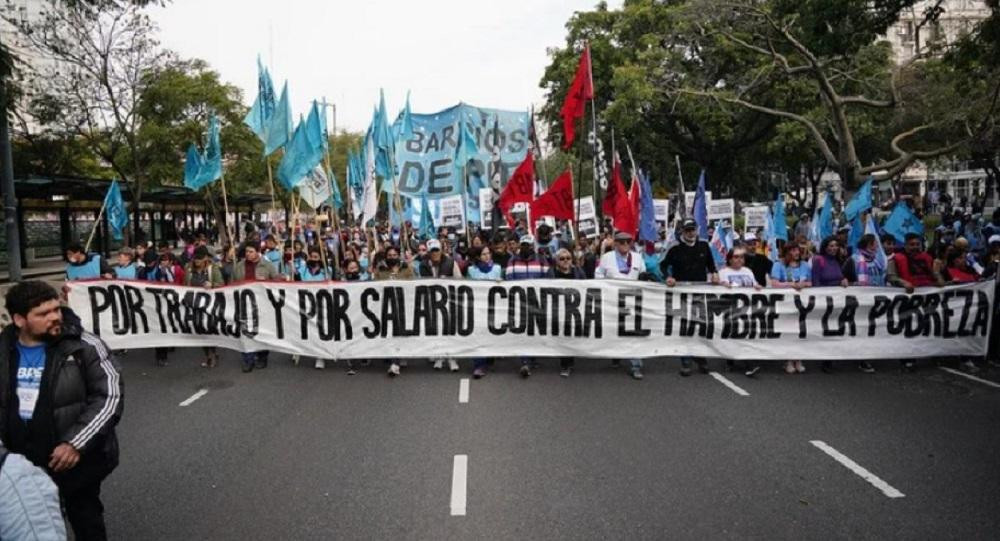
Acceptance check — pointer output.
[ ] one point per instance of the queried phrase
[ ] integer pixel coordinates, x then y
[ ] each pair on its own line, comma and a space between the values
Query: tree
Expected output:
102, 53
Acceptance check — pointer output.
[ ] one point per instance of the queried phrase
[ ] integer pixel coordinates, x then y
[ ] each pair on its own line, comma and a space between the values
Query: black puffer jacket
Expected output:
80, 399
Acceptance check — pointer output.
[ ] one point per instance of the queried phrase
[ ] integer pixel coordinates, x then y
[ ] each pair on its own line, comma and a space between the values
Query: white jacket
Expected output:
608, 267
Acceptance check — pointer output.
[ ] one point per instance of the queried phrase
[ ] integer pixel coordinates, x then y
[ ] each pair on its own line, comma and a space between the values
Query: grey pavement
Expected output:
296, 453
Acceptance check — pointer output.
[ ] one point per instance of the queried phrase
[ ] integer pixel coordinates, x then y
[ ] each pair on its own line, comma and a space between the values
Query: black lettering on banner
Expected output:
931, 318
804, 313
517, 316
733, 309
98, 306
981, 323
433, 145
405, 183
134, 297
447, 139
119, 324
624, 294
946, 315
551, 296
879, 308
219, 313
966, 295
439, 311
758, 316
537, 312
370, 294
203, 323
669, 312
518, 140
440, 170
495, 293
896, 317
697, 320
466, 310
452, 311
592, 314
338, 317
571, 319
825, 320
421, 311
277, 303
716, 306
772, 314
391, 312
173, 301
249, 313
915, 319
307, 311
416, 143
157, 293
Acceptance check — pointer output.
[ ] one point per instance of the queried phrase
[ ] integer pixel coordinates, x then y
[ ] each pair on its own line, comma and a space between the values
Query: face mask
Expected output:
353, 275
391, 261
526, 252
315, 264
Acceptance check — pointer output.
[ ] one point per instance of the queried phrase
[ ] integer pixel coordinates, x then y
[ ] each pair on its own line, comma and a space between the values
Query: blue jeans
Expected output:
251, 357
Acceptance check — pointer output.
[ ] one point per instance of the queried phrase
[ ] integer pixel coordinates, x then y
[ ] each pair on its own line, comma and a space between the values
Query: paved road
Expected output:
295, 453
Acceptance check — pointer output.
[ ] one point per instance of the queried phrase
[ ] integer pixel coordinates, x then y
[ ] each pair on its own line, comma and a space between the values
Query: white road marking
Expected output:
458, 478
463, 390
970, 376
725, 381
194, 397
886, 488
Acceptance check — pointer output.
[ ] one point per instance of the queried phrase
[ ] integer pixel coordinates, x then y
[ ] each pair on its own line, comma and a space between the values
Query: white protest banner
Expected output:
485, 208
315, 188
756, 217
588, 217
555, 318
661, 212
453, 213
689, 200
722, 209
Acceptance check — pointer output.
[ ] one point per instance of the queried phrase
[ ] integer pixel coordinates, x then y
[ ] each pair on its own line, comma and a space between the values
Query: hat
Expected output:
201, 252
994, 238
622, 235
689, 224
433, 244
527, 239
844, 229
749, 237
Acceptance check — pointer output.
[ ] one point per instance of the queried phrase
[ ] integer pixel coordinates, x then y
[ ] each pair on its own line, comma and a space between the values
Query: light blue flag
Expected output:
263, 106
770, 235
700, 208
825, 225
857, 230
647, 212
902, 221
779, 224
861, 201
304, 152
717, 245
279, 126
402, 129
427, 229
114, 207
335, 199
395, 218
192, 165
872, 228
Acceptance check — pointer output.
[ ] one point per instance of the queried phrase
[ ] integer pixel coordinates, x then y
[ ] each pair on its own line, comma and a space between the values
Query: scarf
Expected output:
484, 268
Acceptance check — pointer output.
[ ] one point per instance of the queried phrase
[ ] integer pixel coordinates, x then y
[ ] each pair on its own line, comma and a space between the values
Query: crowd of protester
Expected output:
963, 249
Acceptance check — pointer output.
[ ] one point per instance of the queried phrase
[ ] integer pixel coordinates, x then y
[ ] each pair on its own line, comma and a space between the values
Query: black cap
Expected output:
689, 224
623, 236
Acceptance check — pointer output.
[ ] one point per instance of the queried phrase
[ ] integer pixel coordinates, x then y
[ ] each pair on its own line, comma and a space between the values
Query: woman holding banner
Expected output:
391, 267
736, 275
791, 272
565, 269
202, 272
482, 268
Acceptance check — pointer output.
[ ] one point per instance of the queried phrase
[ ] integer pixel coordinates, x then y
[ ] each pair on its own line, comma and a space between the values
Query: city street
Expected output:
296, 453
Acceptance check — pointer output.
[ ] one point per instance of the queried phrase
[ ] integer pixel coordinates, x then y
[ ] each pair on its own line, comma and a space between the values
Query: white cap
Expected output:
527, 239
433, 244
749, 237
994, 238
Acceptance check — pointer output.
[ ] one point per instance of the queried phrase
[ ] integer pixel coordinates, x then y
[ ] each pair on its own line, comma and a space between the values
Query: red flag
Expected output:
520, 187
579, 92
557, 201
615, 191
634, 197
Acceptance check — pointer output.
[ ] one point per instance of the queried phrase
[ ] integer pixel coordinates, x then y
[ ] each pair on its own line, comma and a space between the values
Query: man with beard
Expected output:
690, 261
60, 399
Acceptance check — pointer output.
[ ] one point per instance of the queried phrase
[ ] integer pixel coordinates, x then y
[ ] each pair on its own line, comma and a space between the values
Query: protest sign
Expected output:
581, 318
426, 159
721, 209
756, 217
689, 201
588, 217
661, 212
452, 213
486, 206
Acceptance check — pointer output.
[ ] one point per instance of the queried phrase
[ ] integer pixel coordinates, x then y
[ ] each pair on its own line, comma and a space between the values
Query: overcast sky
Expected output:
485, 53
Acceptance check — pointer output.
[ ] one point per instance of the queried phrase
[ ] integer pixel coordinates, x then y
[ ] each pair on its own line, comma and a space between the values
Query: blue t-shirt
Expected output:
31, 365
781, 273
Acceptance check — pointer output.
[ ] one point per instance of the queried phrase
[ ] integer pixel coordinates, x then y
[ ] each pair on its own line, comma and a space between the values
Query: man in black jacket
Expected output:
60, 399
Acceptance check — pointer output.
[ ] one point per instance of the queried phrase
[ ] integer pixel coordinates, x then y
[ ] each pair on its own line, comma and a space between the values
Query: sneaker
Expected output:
478, 373
403, 363
970, 367
615, 363
636, 373
295, 360
799, 367
247, 368
909, 366
752, 371
789, 367
320, 364
866, 367
438, 364
453, 365
564, 373
686, 367
525, 370
351, 371
393, 370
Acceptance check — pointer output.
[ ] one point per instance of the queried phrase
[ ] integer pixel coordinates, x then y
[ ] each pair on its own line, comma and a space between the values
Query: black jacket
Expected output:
80, 399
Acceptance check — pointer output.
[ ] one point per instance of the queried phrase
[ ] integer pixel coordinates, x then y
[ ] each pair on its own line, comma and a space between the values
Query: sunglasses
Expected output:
563, 258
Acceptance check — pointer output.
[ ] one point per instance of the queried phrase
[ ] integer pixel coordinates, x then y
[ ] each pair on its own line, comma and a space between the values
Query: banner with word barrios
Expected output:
581, 318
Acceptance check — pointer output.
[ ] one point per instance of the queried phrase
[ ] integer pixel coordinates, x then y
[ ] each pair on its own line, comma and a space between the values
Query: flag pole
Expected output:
680, 179
100, 216
465, 203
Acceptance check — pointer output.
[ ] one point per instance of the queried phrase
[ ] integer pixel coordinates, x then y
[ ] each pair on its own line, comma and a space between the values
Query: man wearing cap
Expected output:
526, 264
437, 265
759, 264
623, 264
690, 261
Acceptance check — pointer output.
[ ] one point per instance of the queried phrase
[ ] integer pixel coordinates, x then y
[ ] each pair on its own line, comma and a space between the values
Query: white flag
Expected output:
370, 198
315, 189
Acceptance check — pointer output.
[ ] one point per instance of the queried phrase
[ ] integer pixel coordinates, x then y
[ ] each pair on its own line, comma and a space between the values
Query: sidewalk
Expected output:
40, 268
